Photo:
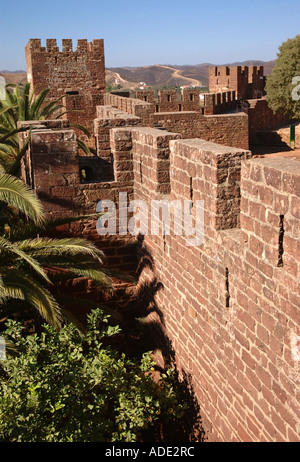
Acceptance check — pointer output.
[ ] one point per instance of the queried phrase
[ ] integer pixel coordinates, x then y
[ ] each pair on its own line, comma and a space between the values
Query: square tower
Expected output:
79, 75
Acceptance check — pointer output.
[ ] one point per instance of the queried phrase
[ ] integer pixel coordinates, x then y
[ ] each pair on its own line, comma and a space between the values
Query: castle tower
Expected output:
78, 75
247, 81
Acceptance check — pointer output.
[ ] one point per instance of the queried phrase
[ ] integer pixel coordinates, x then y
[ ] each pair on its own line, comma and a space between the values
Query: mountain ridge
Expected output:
155, 75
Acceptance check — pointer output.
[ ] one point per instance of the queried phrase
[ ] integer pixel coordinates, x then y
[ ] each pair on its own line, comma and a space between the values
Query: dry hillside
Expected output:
14, 77
156, 75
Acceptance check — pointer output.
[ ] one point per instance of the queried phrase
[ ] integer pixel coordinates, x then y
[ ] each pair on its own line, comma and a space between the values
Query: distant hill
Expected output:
15, 77
12, 72
173, 74
154, 76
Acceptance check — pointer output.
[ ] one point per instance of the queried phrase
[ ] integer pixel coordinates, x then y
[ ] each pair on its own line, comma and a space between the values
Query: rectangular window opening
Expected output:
227, 294
165, 244
280, 241
141, 171
191, 194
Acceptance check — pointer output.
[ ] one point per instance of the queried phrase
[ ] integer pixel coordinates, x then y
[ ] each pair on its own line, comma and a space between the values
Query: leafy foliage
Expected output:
65, 386
279, 85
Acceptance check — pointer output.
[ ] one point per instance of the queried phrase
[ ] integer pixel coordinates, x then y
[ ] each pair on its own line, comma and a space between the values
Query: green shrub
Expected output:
65, 386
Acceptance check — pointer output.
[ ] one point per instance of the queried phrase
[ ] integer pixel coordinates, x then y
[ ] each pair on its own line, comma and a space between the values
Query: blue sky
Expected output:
141, 33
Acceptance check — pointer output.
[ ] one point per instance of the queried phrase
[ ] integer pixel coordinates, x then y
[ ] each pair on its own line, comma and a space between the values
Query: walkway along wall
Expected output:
230, 306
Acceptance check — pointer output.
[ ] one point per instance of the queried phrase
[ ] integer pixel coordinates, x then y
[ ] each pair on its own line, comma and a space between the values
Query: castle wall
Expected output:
261, 118
132, 106
189, 100
217, 103
230, 129
167, 101
225, 129
229, 304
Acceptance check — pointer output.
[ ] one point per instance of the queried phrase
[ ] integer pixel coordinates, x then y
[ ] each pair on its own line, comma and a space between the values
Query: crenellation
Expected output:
82, 45
67, 45
51, 46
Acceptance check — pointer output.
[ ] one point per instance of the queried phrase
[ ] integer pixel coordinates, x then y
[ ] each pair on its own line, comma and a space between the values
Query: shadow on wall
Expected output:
143, 330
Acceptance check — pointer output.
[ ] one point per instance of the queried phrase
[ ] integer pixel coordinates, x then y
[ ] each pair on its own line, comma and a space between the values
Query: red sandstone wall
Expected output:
132, 106
230, 306
261, 118
66, 71
246, 81
225, 129
217, 103
52, 168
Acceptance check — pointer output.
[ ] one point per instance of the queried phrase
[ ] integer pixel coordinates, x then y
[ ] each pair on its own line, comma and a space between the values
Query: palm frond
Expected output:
37, 103
15, 252
11, 133
83, 147
82, 128
16, 193
74, 269
31, 230
65, 246
19, 285
14, 168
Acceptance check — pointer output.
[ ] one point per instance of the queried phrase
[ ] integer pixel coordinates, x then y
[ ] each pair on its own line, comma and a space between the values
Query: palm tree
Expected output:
29, 266
24, 106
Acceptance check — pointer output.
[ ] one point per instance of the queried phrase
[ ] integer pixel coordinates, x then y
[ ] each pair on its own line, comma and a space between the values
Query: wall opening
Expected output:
191, 194
191, 189
86, 174
280, 241
141, 171
227, 294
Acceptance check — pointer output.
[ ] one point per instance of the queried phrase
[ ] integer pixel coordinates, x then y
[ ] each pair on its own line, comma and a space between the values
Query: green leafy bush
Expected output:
65, 386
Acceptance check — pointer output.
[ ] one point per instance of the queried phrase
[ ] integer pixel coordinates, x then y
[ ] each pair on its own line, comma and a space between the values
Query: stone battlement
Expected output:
247, 81
83, 46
